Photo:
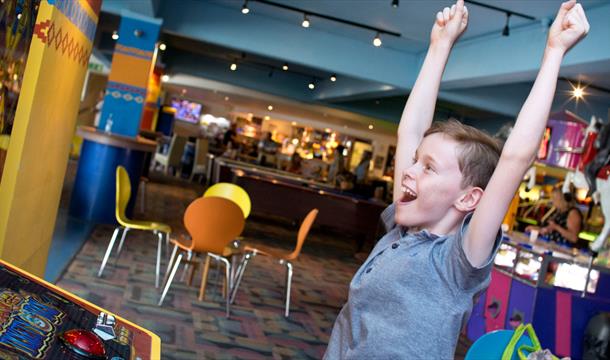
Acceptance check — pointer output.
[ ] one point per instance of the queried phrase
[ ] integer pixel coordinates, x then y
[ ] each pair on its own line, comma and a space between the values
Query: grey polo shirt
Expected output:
410, 298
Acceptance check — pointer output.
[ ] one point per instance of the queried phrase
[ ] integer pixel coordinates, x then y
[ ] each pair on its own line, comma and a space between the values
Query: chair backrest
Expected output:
201, 151
231, 192
213, 222
176, 148
123, 193
302, 235
492, 345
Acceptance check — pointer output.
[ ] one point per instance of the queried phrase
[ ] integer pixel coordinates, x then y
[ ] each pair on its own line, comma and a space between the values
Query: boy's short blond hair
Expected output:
479, 151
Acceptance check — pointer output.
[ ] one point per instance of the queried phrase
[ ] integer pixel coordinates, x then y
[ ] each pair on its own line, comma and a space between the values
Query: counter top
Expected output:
138, 143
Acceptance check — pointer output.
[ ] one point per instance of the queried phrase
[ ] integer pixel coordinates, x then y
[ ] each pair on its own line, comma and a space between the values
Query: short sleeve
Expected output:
460, 271
387, 217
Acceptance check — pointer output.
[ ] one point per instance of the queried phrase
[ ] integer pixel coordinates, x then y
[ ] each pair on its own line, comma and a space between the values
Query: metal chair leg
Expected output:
169, 280
189, 256
109, 250
158, 267
239, 273
288, 285
118, 252
142, 196
170, 264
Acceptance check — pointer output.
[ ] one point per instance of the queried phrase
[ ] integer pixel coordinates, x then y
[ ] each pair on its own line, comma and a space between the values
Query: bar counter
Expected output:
289, 196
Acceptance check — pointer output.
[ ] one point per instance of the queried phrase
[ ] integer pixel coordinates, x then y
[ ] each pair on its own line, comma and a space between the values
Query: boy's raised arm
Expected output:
569, 27
419, 110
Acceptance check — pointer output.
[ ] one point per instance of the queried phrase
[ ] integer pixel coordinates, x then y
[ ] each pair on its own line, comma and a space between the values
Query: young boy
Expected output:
414, 293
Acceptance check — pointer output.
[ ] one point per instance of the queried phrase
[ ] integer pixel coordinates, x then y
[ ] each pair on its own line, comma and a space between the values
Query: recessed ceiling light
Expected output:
233, 67
115, 35
270, 107
162, 46
165, 78
285, 67
333, 78
371, 127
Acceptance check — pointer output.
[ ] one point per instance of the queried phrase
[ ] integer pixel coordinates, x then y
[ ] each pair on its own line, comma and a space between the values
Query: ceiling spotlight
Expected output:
311, 85
506, 30
371, 127
162, 46
377, 40
285, 67
115, 35
294, 123
164, 78
305, 22
270, 107
395, 3
226, 98
244, 9
267, 117
233, 67
578, 92
333, 78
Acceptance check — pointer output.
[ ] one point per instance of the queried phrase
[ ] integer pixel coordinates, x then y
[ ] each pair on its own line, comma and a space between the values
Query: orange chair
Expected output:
212, 223
284, 259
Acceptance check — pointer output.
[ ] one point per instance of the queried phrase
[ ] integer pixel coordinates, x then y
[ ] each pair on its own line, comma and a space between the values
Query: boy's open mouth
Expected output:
407, 194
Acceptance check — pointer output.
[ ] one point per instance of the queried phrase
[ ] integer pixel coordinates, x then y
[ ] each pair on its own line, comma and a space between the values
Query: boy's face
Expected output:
431, 185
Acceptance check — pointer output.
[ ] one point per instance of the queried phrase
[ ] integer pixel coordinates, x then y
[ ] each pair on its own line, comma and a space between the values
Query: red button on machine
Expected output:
85, 343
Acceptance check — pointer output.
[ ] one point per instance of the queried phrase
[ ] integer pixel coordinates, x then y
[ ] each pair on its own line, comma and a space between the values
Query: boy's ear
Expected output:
469, 199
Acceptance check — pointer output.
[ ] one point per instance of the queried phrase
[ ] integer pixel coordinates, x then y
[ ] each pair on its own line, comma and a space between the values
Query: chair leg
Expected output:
158, 267
118, 252
169, 280
109, 250
189, 256
288, 285
239, 273
204, 277
228, 282
170, 264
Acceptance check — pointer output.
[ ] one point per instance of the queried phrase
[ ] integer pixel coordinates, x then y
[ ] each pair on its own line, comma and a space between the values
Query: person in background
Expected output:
362, 170
267, 148
230, 137
338, 165
565, 224
296, 163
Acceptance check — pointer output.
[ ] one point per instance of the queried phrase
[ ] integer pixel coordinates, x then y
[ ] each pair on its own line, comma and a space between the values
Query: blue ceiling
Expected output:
485, 83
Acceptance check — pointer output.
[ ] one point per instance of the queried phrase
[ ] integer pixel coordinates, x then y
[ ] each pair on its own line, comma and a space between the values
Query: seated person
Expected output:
564, 225
267, 149
295, 164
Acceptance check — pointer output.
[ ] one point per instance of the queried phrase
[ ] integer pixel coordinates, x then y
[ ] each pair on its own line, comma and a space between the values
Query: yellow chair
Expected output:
123, 193
212, 223
231, 192
284, 259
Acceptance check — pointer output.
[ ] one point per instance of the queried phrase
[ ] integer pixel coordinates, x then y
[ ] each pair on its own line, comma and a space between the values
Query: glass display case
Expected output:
540, 265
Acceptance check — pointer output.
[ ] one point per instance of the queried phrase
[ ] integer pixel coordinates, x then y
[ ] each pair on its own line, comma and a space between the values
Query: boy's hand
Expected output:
450, 24
569, 27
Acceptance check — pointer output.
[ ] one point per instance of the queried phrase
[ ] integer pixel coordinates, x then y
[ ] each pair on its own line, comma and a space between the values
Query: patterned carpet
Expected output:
192, 329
